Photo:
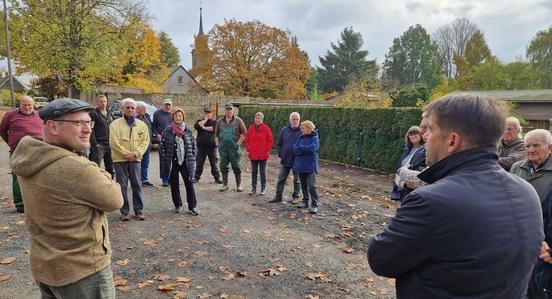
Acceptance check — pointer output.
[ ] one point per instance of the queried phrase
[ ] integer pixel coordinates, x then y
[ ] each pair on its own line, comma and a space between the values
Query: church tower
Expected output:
200, 37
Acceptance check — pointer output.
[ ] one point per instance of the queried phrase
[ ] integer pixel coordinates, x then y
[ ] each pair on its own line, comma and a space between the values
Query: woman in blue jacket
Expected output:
412, 151
305, 162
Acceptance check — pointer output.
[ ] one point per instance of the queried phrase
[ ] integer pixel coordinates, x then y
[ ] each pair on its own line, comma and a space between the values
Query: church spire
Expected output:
200, 19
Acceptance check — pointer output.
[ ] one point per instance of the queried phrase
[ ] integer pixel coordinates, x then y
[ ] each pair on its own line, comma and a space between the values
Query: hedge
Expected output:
370, 138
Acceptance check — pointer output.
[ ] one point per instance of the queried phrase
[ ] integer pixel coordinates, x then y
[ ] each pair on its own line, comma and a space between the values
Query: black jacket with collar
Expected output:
474, 232
100, 132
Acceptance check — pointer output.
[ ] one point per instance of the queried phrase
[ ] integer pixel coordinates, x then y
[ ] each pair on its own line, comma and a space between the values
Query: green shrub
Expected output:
370, 138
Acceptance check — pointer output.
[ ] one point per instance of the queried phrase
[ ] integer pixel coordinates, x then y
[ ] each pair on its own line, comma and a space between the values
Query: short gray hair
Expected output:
296, 114
141, 104
478, 119
515, 121
545, 134
128, 101
101, 96
260, 114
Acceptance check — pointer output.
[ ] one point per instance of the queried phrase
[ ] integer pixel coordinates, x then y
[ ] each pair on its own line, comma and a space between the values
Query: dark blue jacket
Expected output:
305, 153
161, 119
146, 119
286, 141
416, 163
474, 232
543, 270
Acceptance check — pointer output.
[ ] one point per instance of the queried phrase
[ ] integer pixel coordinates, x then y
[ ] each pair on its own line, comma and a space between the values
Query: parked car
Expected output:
40, 102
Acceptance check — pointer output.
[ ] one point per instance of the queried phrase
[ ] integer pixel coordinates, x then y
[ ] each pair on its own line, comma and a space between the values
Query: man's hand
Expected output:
202, 123
544, 253
130, 157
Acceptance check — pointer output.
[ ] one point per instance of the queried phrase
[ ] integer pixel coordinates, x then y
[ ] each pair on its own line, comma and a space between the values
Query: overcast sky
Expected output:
508, 25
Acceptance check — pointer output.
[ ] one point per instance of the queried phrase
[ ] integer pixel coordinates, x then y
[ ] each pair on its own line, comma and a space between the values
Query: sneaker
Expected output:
224, 188
218, 181
313, 210
295, 200
276, 199
252, 192
193, 212
239, 189
140, 217
124, 217
195, 180
147, 184
303, 206
177, 210
263, 191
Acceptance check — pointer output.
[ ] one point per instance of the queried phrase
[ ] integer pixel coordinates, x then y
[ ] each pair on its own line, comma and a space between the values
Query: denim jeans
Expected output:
174, 181
144, 165
97, 285
202, 153
125, 172
256, 167
308, 186
99, 153
282, 178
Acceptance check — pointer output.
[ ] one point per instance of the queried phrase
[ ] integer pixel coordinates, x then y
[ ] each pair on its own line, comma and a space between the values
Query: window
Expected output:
180, 80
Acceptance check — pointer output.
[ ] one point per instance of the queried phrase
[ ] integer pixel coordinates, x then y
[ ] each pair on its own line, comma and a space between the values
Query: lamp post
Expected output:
8, 54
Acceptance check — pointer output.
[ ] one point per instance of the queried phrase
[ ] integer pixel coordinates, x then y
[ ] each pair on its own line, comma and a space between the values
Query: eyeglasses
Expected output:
78, 123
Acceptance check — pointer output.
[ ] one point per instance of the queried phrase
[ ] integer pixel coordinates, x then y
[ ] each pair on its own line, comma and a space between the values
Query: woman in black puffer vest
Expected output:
178, 152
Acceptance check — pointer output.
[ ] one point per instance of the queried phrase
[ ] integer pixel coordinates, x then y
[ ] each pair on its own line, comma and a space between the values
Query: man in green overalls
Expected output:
229, 135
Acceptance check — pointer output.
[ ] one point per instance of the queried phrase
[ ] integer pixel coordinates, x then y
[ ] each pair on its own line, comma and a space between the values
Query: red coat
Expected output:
258, 142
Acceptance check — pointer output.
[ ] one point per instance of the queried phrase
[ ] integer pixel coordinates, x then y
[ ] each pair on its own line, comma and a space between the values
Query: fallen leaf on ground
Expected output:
124, 289
161, 277
171, 260
8, 260
223, 269
143, 284
150, 242
122, 262
269, 272
309, 296
20, 222
183, 279
281, 268
357, 266
201, 253
317, 276
182, 264
118, 282
246, 231
228, 276
204, 295
368, 281
4, 276
166, 287
227, 247
347, 250
241, 274
309, 264
179, 295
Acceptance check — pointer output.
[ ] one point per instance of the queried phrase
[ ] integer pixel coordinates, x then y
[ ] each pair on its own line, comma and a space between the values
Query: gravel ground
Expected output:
240, 246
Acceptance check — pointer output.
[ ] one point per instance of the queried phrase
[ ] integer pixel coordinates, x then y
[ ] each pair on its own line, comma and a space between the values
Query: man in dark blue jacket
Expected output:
475, 230
162, 118
286, 140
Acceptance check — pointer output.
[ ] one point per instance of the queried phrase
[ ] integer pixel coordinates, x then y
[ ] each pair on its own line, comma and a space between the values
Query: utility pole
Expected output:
8, 53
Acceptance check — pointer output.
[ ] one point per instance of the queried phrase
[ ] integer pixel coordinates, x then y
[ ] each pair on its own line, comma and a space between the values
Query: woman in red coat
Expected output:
258, 143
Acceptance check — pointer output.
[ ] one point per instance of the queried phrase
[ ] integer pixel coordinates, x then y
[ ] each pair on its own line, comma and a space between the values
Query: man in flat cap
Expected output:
16, 124
229, 135
206, 146
66, 197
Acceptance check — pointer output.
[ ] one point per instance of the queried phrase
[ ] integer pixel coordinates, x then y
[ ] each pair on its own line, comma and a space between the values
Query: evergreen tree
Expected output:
169, 53
344, 62
539, 53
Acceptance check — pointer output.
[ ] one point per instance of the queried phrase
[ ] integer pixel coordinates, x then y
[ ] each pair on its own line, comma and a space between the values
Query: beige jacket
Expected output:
66, 197
124, 139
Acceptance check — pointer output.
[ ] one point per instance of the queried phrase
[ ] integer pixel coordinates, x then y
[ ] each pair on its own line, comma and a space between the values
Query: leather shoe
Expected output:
124, 217
276, 199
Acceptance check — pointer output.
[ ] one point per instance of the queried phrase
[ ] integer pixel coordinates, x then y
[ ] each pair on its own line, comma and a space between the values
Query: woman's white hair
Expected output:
294, 114
515, 122
141, 104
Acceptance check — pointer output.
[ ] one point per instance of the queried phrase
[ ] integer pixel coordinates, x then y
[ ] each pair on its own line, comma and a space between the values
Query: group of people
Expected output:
475, 206
55, 154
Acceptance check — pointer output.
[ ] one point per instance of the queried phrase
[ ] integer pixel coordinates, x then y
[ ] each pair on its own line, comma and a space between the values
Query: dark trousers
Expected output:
256, 167
163, 179
174, 181
95, 286
125, 172
144, 165
202, 153
282, 178
230, 154
99, 153
16, 191
308, 186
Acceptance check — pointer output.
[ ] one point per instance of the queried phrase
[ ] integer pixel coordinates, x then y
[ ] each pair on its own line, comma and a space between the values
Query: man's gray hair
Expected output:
296, 114
260, 114
126, 101
515, 122
545, 134
480, 120
141, 104
101, 96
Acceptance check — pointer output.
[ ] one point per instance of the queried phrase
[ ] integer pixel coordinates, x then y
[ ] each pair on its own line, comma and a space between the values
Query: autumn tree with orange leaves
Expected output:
253, 59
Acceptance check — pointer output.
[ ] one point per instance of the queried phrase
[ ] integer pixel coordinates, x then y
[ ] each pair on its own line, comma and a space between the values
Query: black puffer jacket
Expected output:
168, 150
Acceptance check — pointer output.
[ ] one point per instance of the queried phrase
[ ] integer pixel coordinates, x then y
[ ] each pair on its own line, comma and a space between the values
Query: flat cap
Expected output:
60, 107
228, 105
207, 110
